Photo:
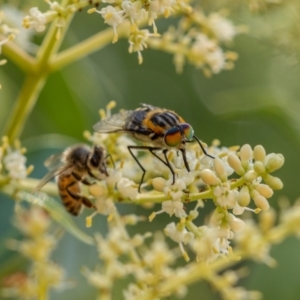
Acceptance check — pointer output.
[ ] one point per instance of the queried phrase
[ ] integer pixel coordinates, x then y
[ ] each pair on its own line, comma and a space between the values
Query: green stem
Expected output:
20, 57
24, 105
88, 46
34, 82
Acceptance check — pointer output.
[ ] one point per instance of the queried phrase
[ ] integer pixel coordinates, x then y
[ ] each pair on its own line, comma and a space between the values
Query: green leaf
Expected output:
57, 213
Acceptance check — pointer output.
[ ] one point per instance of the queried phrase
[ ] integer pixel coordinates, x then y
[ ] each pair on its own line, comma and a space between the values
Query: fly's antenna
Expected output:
202, 148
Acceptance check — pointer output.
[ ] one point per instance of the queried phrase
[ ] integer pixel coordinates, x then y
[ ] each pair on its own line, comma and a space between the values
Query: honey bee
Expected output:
161, 128
71, 168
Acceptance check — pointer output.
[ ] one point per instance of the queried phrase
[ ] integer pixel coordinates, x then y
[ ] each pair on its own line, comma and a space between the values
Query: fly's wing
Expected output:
56, 166
151, 107
115, 123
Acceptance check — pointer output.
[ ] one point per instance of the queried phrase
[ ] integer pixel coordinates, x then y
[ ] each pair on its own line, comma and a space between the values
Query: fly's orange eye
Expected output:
188, 131
173, 137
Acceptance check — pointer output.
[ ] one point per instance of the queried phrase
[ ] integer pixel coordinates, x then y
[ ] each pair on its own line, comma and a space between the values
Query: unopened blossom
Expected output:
244, 196
259, 153
235, 223
273, 162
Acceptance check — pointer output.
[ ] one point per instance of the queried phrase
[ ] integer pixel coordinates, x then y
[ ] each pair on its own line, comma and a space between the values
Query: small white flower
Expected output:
172, 207
179, 235
14, 163
105, 206
137, 42
112, 17
37, 20
223, 28
127, 188
114, 177
13, 17
176, 190
224, 196
134, 10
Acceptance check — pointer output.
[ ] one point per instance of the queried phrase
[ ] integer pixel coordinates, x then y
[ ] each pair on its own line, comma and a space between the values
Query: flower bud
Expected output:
193, 214
244, 196
264, 190
245, 155
220, 169
209, 177
235, 163
250, 176
158, 184
236, 224
97, 190
274, 162
261, 202
259, 153
273, 182
267, 219
259, 167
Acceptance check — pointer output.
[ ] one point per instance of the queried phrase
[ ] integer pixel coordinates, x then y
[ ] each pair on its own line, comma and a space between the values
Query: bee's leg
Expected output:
185, 160
82, 179
202, 148
111, 159
85, 201
92, 175
166, 163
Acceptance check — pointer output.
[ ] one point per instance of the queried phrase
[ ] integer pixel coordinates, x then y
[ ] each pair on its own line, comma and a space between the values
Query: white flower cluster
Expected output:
7, 34
58, 13
37, 247
13, 161
198, 39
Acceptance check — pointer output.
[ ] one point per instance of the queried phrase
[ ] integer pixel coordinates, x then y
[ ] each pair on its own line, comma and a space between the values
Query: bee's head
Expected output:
96, 160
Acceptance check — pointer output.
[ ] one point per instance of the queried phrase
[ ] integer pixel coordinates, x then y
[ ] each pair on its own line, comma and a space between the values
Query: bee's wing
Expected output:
51, 174
54, 161
115, 123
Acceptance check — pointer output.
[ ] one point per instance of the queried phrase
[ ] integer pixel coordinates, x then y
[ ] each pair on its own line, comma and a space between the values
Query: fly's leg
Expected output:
166, 162
137, 161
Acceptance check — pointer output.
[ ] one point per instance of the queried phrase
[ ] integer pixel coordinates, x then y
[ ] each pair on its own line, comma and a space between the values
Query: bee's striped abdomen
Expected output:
69, 191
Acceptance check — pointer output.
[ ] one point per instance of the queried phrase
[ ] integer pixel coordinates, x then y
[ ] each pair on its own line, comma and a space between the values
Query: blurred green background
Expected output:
256, 103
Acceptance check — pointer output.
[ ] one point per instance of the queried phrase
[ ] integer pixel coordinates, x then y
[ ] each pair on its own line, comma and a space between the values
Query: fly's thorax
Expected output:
160, 121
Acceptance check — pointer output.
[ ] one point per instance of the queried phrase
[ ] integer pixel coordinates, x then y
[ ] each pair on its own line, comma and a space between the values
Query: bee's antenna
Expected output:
202, 148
